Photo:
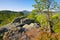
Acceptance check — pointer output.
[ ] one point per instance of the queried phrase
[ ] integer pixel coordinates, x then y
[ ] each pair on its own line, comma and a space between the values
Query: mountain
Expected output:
26, 12
9, 11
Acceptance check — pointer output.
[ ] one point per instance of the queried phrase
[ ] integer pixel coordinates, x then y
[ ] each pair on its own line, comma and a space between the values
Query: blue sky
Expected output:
17, 5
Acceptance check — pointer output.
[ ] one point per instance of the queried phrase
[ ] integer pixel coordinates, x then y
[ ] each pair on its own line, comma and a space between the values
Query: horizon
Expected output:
17, 5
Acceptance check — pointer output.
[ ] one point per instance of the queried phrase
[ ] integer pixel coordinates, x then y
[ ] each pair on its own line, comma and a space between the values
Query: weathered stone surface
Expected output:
14, 34
31, 26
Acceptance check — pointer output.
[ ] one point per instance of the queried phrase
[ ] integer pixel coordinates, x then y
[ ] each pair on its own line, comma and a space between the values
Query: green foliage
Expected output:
32, 15
56, 27
7, 16
55, 18
56, 22
42, 19
39, 6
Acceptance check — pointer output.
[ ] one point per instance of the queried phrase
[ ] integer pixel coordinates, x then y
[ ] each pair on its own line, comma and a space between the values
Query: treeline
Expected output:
7, 16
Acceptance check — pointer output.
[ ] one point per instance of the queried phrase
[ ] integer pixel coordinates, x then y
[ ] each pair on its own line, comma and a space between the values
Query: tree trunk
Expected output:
49, 21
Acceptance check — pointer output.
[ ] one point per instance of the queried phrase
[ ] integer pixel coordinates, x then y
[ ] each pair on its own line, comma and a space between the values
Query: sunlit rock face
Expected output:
31, 26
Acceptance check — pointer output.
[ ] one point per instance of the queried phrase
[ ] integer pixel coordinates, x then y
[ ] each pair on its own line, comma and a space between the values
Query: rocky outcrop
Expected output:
27, 32
14, 34
18, 29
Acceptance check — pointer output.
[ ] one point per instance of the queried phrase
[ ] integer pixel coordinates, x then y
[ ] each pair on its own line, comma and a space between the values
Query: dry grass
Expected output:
45, 35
